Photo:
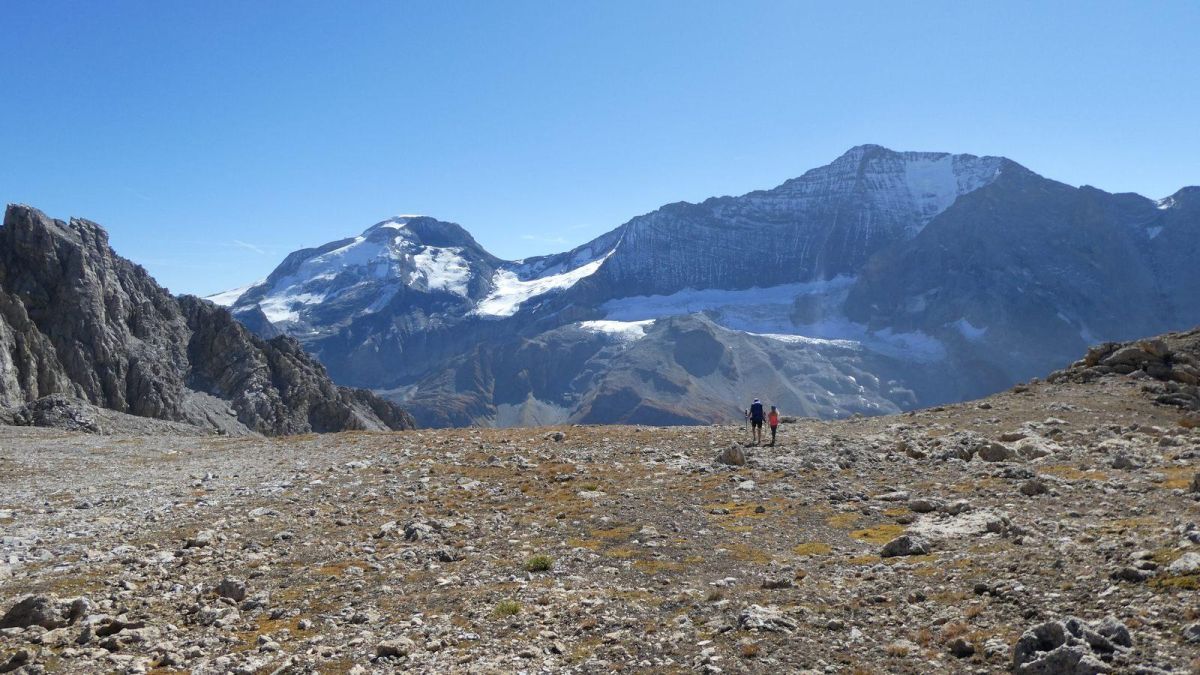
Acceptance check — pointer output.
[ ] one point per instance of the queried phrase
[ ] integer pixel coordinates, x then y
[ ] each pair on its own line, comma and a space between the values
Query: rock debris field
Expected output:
1053, 528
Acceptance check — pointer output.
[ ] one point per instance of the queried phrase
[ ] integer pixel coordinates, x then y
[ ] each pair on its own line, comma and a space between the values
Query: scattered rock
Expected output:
1070, 646
905, 545
1188, 563
34, 610
960, 648
234, 589
1034, 487
757, 617
395, 648
994, 452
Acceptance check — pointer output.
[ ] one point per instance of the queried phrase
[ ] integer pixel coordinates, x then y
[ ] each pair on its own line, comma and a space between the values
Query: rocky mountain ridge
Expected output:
974, 267
79, 320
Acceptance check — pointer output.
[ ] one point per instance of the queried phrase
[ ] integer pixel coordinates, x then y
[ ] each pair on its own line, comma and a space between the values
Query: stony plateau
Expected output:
1050, 528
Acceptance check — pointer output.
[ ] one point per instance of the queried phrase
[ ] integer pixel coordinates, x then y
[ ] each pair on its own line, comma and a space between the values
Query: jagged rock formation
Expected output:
76, 319
1171, 361
974, 271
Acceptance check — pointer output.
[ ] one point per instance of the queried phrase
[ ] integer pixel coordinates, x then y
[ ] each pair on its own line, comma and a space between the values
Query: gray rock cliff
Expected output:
79, 320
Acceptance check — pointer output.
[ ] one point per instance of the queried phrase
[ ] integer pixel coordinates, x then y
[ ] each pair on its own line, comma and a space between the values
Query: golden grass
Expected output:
844, 521
812, 548
879, 534
1071, 473
1178, 477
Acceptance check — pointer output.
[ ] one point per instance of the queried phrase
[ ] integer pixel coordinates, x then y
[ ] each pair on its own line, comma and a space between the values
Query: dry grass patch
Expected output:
812, 548
1071, 473
879, 534
844, 521
748, 553
1178, 477
652, 567
1184, 582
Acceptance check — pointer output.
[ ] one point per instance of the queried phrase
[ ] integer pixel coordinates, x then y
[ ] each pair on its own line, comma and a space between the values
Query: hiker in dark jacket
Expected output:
757, 415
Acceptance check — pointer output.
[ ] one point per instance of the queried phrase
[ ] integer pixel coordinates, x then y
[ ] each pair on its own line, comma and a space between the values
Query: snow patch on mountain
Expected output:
768, 312
227, 298
936, 181
623, 331
805, 340
509, 290
284, 307
750, 309
441, 269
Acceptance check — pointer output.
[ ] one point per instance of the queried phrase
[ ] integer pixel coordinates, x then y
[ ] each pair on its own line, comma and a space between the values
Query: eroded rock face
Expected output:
77, 319
1170, 363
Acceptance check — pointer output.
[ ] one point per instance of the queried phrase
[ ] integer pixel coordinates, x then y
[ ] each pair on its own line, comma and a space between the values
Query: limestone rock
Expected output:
904, 545
80, 321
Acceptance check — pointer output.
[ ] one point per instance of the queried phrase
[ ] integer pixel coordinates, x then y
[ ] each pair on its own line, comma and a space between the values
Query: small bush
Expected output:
750, 650
954, 629
539, 563
507, 608
715, 595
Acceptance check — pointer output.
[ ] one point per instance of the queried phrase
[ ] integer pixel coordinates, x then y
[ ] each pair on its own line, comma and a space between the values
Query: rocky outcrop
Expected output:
1171, 364
1070, 647
76, 319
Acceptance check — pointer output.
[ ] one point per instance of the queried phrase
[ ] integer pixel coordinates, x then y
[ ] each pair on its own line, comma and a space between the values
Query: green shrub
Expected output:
539, 563
508, 608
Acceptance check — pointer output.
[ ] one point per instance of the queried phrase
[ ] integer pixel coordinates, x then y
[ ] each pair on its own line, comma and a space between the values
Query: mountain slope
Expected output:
1039, 270
82, 321
954, 275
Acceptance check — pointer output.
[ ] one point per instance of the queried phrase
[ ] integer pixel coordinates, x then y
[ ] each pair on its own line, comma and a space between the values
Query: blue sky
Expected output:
212, 138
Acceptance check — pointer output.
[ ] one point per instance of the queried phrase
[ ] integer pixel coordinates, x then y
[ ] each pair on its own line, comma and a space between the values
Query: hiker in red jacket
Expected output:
773, 422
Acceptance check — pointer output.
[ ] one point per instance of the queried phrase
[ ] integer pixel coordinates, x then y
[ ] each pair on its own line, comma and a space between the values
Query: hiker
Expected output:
773, 422
756, 421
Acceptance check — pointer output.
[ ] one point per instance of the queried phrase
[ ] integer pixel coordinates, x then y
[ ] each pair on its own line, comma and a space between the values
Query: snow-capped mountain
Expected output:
881, 281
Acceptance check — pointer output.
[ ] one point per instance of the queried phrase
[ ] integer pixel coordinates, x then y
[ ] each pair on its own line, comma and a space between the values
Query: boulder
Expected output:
732, 456
904, 545
757, 617
1069, 647
1033, 487
45, 611
1188, 563
994, 452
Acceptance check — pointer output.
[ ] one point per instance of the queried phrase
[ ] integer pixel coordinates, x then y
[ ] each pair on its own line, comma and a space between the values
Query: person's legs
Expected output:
772, 437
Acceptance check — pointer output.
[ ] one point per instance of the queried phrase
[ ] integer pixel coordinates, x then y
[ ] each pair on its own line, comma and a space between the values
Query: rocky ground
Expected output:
1051, 528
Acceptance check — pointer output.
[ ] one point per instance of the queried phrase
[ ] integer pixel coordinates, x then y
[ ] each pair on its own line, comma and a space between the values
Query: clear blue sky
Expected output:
212, 138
